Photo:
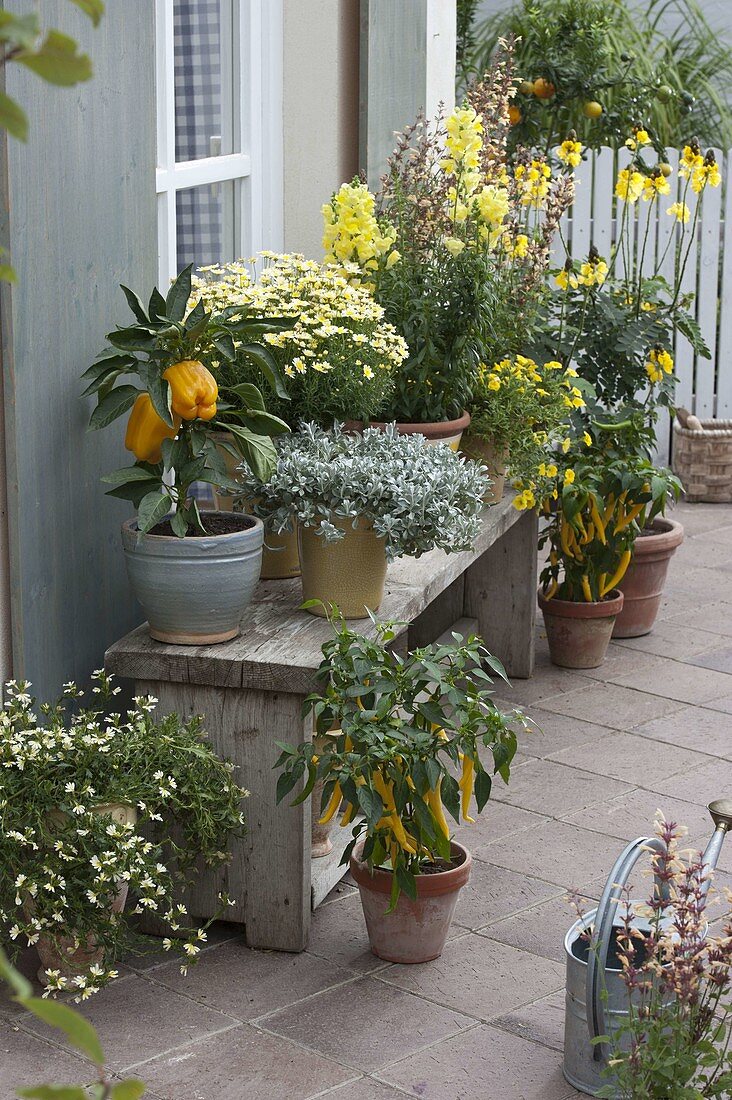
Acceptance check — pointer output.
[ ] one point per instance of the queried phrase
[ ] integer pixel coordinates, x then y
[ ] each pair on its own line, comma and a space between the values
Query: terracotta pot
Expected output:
642, 585
62, 954
495, 458
350, 573
579, 633
417, 930
439, 431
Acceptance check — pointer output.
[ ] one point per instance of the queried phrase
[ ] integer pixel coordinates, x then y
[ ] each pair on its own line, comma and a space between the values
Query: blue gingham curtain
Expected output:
197, 25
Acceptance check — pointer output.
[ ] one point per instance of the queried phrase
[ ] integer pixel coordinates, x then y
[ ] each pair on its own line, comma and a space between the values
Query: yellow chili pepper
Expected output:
466, 783
609, 509
335, 800
619, 573
551, 590
628, 517
601, 582
598, 521
392, 817
146, 430
349, 814
194, 390
586, 589
589, 534
434, 801
564, 538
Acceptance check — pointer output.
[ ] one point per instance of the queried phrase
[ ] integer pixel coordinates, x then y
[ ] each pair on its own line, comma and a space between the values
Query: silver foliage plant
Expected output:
418, 497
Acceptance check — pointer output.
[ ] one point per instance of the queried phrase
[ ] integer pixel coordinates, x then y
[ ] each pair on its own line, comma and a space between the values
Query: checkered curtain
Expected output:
197, 26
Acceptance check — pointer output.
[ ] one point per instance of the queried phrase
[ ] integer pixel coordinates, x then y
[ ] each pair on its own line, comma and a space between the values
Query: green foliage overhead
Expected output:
660, 64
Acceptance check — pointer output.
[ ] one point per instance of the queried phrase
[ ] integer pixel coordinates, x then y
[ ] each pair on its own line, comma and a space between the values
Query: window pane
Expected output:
206, 224
203, 78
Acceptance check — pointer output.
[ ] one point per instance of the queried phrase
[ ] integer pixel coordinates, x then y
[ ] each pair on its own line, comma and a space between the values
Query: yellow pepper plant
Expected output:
595, 503
401, 730
177, 410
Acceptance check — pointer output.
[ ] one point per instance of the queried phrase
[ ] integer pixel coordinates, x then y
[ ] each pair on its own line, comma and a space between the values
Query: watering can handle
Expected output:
600, 942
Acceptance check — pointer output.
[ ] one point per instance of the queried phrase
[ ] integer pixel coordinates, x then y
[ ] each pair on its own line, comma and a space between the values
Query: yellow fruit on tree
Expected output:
514, 116
543, 89
592, 109
526, 87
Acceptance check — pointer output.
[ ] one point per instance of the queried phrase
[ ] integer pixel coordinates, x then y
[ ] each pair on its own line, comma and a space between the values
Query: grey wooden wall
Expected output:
78, 217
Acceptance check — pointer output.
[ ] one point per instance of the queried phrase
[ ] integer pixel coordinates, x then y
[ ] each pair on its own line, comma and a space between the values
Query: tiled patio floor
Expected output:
651, 728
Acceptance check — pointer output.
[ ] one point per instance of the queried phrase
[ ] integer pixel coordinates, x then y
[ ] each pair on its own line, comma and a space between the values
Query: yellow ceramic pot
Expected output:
280, 555
495, 458
350, 573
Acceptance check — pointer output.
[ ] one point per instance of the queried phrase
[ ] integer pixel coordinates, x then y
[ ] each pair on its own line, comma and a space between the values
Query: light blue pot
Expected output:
193, 591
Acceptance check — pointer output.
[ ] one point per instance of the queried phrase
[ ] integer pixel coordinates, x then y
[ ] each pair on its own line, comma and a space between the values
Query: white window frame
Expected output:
257, 171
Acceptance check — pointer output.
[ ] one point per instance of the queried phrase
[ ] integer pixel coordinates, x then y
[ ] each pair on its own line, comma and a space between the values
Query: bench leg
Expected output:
268, 875
500, 592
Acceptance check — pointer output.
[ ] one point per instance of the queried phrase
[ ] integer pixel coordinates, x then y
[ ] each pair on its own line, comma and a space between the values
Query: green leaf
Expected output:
179, 524
57, 60
224, 344
77, 1030
133, 338
263, 423
127, 474
110, 367
13, 118
483, 784
154, 507
407, 883
128, 1090
16, 981
249, 395
160, 394
7, 274
115, 404
266, 362
450, 793
258, 451
19, 30
178, 295
135, 305
93, 8
371, 804
54, 1092
285, 782
156, 307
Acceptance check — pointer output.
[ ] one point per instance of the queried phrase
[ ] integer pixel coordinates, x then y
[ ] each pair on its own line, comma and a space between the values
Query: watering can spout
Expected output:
721, 814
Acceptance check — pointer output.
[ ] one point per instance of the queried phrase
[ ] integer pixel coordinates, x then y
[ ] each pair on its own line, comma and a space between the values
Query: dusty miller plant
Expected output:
417, 497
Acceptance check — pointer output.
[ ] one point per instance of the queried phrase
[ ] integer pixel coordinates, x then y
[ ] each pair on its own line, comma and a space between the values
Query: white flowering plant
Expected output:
65, 855
418, 497
338, 357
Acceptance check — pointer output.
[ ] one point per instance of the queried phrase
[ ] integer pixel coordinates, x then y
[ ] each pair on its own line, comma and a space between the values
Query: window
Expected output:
219, 109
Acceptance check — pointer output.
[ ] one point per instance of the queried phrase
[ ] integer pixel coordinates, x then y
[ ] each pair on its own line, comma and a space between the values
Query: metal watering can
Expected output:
592, 969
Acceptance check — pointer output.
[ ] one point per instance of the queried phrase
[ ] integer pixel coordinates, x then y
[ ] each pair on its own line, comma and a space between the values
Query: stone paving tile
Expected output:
723, 705
705, 731
483, 1062
364, 1088
541, 1022
495, 892
703, 519
714, 616
674, 680
541, 929
558, 853
719, 658
242, 1064
627, 757
338, 933
479, 977
554, 732
247, 984
614, 706
548, 787
137, 1020
711, 780
366, 1024
498, 820
667, 640
547, 680
27, 1060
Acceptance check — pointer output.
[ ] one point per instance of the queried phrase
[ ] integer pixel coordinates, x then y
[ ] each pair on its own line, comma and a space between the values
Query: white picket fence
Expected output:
704, 386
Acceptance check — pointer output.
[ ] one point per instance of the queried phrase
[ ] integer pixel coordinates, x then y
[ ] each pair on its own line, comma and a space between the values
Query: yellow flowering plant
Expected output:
521, 407
338, 357
455, 245
616, 318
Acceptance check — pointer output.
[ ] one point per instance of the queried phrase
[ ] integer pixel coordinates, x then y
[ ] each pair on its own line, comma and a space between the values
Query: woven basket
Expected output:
703, 461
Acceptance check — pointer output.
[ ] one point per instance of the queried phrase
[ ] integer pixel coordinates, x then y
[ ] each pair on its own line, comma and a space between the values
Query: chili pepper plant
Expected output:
401, 730
596, 499
177, 412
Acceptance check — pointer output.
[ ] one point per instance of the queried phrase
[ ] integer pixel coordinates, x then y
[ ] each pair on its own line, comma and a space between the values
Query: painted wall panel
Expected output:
79, 218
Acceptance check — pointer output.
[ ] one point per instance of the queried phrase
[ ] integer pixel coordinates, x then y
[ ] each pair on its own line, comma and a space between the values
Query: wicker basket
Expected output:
703, 461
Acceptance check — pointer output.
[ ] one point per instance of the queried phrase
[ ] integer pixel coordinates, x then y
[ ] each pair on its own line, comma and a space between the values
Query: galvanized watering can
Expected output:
592, 967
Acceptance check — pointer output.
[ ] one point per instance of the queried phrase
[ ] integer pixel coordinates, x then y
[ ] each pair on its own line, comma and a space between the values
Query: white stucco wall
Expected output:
321, 42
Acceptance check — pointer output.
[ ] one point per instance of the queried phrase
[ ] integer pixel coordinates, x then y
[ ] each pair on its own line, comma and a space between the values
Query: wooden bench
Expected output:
251, 690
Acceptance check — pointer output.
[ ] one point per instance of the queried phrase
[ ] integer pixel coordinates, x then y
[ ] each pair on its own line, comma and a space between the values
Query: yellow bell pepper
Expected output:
146, 430
193, 388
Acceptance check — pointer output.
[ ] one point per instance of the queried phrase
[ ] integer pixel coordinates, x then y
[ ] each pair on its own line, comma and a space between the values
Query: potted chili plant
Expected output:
406, 727
174, 429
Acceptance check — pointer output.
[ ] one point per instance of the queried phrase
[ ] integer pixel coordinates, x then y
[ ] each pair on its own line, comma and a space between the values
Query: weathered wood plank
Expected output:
500, 592
268, 875
280, 646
